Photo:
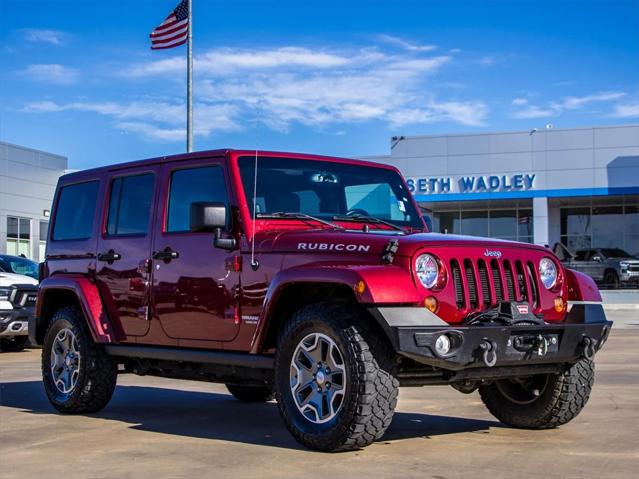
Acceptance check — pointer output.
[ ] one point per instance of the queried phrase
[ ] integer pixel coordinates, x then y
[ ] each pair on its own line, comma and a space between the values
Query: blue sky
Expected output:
334, 77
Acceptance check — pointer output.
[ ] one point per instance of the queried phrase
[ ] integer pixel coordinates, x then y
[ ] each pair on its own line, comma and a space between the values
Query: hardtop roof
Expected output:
96, 172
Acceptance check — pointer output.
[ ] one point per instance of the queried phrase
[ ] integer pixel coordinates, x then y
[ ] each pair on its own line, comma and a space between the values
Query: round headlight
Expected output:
548, 272
427, 270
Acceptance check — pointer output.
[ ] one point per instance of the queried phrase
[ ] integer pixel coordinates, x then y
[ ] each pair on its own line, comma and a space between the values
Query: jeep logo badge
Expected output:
492, 254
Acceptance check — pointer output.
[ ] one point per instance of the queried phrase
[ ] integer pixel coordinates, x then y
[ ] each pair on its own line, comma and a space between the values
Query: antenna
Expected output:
254, 263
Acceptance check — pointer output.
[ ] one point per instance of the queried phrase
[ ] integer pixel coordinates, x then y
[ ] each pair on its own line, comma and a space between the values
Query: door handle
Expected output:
167, 255
110, 256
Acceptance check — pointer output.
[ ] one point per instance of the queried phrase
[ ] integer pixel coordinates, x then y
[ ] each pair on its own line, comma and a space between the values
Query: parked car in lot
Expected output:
609, 267
308, 278
18, 293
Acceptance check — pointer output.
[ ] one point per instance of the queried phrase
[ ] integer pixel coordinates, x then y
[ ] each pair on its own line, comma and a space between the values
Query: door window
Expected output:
191, 185
130, 205
75, 211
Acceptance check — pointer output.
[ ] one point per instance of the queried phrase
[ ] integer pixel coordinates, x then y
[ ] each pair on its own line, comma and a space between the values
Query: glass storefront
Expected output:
504, 221
18, 236
602, 225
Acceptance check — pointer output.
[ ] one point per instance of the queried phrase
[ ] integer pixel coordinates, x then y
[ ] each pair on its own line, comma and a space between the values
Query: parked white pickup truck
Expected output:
18, 294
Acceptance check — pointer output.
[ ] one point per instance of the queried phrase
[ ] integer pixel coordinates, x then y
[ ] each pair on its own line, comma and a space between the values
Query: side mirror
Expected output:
211, 217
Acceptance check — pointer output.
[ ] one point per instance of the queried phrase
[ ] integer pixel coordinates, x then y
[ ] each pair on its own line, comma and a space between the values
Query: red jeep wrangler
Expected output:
307, 278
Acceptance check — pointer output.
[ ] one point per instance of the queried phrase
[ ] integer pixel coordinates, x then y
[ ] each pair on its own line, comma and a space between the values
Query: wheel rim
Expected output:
65, 361
318, 378
523, 390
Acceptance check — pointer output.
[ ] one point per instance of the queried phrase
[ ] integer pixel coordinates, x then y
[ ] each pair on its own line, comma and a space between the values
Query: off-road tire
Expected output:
371, 388
97, 372
251, 393
563, 398
14, 344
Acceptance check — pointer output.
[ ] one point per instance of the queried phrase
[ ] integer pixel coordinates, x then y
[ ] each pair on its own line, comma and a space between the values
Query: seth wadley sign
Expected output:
471, 184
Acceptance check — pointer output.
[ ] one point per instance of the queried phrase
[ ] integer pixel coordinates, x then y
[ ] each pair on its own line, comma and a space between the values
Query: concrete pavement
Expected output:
163, 429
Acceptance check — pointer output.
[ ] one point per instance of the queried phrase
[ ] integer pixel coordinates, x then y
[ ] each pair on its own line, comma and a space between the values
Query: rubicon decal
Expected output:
360, 248
490, 253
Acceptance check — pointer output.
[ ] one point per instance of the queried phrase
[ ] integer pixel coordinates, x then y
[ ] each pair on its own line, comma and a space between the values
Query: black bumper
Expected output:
414, 331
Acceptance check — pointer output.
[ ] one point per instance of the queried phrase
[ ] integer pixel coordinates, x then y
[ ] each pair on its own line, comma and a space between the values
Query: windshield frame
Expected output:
415, 223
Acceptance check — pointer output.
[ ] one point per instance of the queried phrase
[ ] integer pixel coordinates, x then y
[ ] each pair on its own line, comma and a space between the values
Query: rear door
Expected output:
124, 247
193, 290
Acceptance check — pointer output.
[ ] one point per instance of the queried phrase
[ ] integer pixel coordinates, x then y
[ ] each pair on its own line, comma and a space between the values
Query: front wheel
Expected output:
543, 401
336, 383
79, 377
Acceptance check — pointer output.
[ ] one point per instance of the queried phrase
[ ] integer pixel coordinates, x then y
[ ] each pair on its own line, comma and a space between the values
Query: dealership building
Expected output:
28, 179
578, 186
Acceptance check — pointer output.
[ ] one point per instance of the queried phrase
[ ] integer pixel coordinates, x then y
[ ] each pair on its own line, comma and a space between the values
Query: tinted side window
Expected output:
75, 212
189, 186
130, 205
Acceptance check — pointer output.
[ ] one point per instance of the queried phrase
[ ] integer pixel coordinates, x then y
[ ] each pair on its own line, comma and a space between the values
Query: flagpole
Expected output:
189, 82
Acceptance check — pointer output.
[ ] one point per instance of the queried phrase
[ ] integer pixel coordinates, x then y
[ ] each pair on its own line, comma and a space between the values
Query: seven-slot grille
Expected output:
480, 284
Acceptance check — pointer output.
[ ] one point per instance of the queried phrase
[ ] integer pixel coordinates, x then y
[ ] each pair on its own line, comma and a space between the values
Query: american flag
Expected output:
174, 30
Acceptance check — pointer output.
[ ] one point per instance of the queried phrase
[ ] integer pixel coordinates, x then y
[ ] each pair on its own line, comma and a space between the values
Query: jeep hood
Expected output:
348, 241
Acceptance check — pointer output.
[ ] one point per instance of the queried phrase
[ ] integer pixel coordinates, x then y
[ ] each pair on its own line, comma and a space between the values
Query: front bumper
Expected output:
413, 333
15, 322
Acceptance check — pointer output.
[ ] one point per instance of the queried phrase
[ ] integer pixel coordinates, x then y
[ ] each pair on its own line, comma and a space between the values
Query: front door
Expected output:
193, 290
124, 247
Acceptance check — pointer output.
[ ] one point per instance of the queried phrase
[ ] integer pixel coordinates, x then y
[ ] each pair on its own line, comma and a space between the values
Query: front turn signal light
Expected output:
559, 305
431, 304
360, 287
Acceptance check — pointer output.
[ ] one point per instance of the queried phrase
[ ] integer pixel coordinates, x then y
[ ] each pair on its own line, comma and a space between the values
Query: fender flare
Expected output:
383, 285
90, 300
581, 287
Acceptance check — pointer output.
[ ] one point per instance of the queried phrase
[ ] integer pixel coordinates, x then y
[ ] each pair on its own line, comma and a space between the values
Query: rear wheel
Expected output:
79, 377
335, 377
611, 280
14, 344
251, 393
543, 401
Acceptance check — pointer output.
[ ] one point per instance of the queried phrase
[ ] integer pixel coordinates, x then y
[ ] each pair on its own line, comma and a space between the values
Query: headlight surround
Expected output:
4, 294
427, 270
548, 272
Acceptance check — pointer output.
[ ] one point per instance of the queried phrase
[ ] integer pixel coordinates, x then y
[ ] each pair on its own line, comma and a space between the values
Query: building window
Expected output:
18, 236
606, 226
510, 224
44, 234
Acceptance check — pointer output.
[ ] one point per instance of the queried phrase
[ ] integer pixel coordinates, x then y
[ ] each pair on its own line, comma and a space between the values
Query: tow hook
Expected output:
489, 349
588, 344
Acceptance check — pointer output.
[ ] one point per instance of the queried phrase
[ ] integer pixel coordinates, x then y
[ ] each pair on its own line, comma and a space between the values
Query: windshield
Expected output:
17, 265
326, 189
615, 253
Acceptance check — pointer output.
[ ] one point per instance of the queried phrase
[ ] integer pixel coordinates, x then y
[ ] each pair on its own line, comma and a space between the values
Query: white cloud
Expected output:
40, 35
281, 87
628, 110
404, 44
557, 107
153, 119
52, 73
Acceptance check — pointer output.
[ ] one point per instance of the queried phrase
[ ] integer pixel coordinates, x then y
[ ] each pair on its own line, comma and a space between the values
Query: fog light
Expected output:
559, 305
431, 304
442, 345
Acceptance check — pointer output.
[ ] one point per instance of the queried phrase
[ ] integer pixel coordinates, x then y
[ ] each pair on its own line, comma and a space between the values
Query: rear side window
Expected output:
190, 186
130, 205
75, 212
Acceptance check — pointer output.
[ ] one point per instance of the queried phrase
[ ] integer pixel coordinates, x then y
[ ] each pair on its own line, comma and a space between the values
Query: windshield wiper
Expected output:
300, 216
368, 219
